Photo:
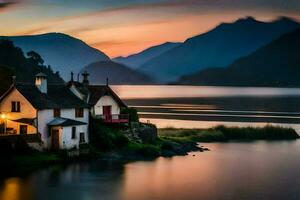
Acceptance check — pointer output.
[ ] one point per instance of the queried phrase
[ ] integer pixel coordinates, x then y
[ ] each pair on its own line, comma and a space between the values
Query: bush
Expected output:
256, 133
132, 112
145, 150
222, 133
149, 151
106, 138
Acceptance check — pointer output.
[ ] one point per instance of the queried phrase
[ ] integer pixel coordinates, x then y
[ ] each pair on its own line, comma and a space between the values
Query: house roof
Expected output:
65, 122
29, 121
97, 91
58, 96
80, 87
41, 75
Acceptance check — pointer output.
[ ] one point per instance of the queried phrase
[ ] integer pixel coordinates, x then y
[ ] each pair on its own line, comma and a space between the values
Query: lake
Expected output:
230, 171
204, 107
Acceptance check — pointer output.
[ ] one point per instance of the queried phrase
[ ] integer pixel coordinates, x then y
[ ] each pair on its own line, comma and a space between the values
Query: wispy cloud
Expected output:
120, 27
4, 4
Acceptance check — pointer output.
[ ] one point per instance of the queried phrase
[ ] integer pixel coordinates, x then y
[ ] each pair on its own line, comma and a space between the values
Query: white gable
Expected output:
106, 101
27, 110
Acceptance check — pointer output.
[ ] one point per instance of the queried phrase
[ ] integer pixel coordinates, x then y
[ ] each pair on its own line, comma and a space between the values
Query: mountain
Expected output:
218, 47
276, 64
14, 63
136, 60
115, 72
63, 52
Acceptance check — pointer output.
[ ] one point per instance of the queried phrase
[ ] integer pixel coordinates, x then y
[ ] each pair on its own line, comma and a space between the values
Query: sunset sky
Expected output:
122, 27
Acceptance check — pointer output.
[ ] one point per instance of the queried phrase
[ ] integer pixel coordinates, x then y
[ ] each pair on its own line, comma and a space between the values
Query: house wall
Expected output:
46, 116
66, 140
106, 101
27, 111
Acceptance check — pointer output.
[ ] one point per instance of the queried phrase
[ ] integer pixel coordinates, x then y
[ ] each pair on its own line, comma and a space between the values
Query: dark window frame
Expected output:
79, 112
82, 137
22, 128
15, 106
56, 112
73, 134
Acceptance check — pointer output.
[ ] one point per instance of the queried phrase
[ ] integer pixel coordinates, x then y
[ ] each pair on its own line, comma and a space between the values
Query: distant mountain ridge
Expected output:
116, 73
217, 48
276, 64
136, 60
63, 52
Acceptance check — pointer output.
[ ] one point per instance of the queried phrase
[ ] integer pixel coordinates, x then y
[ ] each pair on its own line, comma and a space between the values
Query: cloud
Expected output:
6, 4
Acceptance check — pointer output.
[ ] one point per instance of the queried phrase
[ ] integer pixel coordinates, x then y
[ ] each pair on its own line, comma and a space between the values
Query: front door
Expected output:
107, 113
55, 139
23, 129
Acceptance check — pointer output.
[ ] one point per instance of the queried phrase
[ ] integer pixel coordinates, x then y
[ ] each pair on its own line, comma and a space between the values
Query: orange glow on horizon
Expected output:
128, 30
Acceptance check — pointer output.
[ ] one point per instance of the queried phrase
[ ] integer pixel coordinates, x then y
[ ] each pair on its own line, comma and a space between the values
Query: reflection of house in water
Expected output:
48, 114
104, 102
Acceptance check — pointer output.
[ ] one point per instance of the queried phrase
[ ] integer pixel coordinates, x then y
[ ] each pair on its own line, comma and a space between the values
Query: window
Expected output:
15, 106
79, 112
73, 132
56, 112
23, 129
82, 138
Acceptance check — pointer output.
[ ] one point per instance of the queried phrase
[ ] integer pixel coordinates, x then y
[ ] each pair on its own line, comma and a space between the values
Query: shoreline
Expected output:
170, 142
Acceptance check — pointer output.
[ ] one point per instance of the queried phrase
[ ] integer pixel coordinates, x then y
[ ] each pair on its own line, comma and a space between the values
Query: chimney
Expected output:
14, 80
85, 80
72, 77
41, 82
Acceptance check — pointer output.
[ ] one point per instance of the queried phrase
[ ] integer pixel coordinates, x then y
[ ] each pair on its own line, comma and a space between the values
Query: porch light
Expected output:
3, 116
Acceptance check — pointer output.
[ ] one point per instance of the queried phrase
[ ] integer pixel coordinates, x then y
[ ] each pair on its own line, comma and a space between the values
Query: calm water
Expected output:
230, 171
202, 107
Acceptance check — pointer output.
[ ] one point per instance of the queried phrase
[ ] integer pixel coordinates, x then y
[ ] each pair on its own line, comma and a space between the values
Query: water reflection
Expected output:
15, 189
230, 171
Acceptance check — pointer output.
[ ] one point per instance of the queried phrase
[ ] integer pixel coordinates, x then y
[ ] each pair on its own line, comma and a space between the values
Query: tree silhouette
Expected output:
35, 57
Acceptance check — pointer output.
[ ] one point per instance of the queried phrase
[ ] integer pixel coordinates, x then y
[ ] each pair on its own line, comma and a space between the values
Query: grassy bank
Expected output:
121, 143
223, 134
118, 142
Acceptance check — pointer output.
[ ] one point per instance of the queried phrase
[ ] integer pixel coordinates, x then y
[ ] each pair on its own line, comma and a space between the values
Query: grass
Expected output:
37, 158
222, 134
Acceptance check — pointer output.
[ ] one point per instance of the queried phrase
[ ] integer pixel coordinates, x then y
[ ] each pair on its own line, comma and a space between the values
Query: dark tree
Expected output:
35, 57
14, 62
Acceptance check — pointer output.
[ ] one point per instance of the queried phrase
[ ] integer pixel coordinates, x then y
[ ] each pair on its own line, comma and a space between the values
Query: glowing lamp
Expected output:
3, 116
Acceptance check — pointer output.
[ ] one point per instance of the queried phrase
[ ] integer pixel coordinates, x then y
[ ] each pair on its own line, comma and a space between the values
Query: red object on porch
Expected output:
108, 117
107, 113
122, 118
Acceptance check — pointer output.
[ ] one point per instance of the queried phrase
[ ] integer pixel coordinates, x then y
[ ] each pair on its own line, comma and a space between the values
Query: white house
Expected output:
49, 111
103, 101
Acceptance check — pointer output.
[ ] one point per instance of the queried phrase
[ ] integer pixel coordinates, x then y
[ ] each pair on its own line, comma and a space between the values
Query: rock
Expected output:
146, 133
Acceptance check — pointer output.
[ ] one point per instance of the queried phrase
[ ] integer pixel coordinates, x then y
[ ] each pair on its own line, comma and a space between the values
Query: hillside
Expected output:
218, 47
63, 52
116, 73
14, 62
136, 60
276, 64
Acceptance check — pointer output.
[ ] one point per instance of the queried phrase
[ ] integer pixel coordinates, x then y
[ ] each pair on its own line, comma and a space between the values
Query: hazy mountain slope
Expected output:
276, 64
218, 47
136, 60
63, 52
115, 72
